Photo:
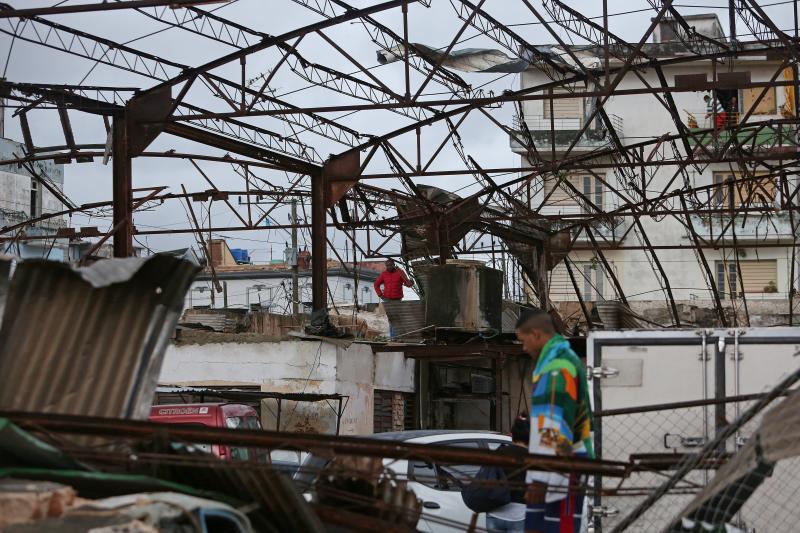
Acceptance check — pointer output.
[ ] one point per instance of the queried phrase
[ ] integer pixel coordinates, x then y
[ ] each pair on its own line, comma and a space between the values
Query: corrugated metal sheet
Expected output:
89, 340
406, 317
225, 320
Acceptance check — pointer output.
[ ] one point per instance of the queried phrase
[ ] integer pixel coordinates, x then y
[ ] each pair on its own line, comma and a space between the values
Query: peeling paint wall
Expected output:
295, 366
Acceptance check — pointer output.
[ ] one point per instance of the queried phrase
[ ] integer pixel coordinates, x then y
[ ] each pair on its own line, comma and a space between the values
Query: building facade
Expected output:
762, 274
26, 192
268, 287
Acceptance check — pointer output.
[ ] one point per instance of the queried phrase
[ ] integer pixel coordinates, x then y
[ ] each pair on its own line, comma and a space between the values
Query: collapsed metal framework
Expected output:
239, 121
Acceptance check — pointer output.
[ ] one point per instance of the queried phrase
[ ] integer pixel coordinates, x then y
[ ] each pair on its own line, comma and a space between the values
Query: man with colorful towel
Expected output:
561, 424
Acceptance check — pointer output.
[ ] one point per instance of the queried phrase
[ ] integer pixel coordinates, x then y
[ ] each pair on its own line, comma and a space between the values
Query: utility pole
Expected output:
295, 302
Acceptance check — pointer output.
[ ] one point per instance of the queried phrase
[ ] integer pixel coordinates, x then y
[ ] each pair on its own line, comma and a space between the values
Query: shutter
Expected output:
765, 107
571, 108
758, 274
561, 289
561, 195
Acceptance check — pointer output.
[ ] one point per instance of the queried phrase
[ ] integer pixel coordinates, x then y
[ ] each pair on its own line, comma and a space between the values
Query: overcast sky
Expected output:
434, 26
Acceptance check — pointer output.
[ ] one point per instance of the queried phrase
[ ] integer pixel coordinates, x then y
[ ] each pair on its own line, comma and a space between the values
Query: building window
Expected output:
590, 276
767, 105
567, 112
560, 191
34, 207
592, 282
746, 192
757, 277
727, 279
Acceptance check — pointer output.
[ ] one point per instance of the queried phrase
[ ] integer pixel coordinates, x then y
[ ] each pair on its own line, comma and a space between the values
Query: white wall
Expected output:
295, 366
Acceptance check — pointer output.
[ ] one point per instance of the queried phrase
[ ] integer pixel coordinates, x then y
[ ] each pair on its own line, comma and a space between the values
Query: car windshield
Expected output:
240, 453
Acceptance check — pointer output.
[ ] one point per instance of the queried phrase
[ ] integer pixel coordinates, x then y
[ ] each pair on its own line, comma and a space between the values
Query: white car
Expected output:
438, 486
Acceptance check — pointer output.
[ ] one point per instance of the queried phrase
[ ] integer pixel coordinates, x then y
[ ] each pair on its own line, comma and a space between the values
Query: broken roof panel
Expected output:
89, 340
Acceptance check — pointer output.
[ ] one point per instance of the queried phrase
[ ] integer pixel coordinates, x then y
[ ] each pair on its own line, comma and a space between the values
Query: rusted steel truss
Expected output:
248, 121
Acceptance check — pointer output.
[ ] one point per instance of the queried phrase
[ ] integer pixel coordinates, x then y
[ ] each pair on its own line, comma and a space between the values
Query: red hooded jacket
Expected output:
392, 284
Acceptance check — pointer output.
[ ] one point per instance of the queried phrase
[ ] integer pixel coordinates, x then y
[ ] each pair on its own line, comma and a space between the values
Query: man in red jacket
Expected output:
392, 279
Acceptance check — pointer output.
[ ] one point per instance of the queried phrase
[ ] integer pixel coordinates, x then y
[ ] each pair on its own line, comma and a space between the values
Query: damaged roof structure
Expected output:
368, 192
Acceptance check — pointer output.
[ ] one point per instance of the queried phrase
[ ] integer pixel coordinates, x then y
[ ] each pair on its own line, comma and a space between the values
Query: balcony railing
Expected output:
609, 231
10, 217
775, 227
754, 132
563, 131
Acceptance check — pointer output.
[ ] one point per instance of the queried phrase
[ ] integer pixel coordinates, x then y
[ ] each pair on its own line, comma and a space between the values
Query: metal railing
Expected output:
10, 217
544, 123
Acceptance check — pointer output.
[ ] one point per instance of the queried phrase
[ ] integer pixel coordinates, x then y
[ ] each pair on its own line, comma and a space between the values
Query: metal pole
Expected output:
295, 298
339, 416
605, 40
498, 393
719, 386
121, 168
319, 243
225, 294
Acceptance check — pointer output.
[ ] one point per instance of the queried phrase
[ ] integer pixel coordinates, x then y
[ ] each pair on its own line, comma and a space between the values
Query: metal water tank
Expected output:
466, 295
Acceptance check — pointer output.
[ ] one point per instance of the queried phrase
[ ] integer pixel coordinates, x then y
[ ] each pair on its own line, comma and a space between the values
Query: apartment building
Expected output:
744, 210
26, 192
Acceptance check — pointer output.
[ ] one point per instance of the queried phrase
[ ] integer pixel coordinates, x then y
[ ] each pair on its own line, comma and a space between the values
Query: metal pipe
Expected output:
135, 429
704, 361
719, 386
736, 357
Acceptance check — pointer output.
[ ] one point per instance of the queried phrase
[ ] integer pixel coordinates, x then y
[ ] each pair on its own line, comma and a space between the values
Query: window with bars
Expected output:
35, 211
592, 282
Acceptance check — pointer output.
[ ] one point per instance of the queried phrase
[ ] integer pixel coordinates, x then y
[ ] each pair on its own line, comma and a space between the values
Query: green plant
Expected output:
771, 287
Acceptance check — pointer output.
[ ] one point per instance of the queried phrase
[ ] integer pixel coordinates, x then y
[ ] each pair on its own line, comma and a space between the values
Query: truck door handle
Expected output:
431, 505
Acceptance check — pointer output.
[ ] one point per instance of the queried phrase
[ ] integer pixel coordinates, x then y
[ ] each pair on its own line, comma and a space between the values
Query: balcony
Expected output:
565, 131
755, 227
9, 217
607, 231
756, 134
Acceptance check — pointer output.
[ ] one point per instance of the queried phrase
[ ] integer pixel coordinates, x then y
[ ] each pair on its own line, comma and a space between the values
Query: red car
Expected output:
217, 415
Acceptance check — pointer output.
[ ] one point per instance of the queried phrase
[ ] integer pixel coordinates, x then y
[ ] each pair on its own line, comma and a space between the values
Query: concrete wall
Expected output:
644, 118
295, 366
15, 203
